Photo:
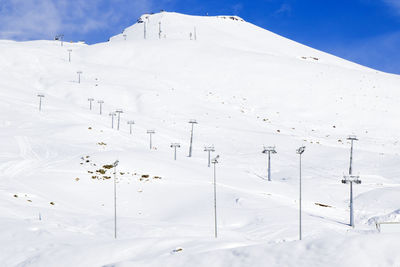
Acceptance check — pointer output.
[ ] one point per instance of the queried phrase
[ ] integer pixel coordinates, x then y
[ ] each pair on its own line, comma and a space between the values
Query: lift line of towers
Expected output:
118, 113
347, 179
192, 35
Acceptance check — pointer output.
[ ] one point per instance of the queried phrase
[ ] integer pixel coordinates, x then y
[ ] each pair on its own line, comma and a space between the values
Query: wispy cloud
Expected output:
236, 8
395, 4
284, 9
379, 52
42, 19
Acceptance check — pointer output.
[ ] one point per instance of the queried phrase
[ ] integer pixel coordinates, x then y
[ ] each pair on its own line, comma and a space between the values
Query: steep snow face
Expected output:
246, 87
237, 60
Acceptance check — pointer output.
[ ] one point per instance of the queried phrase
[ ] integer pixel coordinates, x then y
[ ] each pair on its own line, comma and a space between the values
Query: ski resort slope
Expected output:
246, 87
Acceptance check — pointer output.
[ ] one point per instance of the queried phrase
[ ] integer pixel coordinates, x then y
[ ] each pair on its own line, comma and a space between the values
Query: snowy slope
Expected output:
246, 87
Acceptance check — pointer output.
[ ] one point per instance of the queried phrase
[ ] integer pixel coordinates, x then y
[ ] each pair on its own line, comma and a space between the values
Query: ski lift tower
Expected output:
175, 145
69, 54
193, 122
112, 115
300, 151
151, 132
144, 30
115, 164
101, 102
130, 126
60, 37
90, 102
119, 111
350, 179
268, 150
40, 101
209, 149
79, 72
215, 161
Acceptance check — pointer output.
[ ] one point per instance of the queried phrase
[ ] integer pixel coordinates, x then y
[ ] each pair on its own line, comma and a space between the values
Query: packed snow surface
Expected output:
246, 87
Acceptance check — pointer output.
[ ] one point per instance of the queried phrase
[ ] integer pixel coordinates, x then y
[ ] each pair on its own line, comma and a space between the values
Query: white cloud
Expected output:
42, 19
23, 19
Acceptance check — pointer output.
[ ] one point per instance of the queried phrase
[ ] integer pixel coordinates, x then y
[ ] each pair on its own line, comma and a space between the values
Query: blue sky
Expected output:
363, 31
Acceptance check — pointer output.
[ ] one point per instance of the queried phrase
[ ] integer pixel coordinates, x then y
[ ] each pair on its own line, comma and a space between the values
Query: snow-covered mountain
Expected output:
246, 87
